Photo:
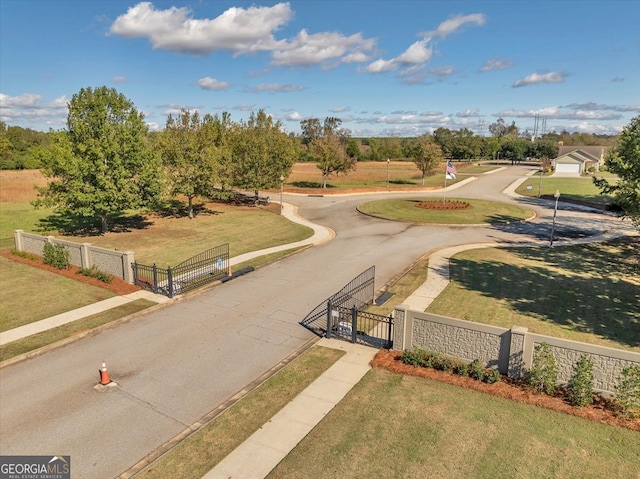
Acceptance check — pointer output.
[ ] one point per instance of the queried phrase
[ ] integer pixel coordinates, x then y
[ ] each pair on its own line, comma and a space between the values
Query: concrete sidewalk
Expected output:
262, 451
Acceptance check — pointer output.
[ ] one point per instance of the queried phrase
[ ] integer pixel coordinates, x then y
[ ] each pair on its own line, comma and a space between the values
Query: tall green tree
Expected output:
190, 155
101, 165
426, 154
330, 156
261, 153
624, 161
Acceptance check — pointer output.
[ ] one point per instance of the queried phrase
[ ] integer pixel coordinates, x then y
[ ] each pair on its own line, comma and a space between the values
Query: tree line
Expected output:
106, 161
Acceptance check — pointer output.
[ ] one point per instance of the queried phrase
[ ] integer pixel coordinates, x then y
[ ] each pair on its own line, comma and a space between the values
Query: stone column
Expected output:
516, 352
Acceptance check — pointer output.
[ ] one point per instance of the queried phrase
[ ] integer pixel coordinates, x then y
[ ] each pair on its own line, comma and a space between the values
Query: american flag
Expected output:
451, 171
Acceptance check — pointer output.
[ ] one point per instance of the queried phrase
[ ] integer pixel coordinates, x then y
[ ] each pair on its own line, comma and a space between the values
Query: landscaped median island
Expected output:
437, 211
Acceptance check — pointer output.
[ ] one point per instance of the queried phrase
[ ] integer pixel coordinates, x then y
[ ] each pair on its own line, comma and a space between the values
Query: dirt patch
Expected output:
602, 410
117, 285
444, 205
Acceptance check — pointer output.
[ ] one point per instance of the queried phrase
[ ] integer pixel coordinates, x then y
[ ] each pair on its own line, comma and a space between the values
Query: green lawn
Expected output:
394, 426
56, 294
581, 188
403, 209
588, 293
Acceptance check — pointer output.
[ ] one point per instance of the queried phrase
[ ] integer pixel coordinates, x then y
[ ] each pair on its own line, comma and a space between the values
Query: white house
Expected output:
578, 159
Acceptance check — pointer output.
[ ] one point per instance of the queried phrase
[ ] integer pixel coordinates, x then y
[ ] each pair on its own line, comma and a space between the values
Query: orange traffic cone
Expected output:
104, 374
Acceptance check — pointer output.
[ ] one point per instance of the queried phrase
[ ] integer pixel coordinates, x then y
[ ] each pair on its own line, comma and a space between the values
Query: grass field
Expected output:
373, 174
391, 425
56, 294
579, 188
588, 293
403, 209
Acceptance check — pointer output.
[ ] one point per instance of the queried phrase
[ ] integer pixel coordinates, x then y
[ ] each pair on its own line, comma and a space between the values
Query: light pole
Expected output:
388, 161
281, 190
556, 195
540, 183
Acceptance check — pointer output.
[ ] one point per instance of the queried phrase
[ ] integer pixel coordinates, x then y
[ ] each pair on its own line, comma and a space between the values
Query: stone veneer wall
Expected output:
508, 350
83, 255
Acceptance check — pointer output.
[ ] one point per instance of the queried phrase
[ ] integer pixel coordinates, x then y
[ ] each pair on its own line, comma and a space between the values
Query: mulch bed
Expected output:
117, 285
444, 205
601, 411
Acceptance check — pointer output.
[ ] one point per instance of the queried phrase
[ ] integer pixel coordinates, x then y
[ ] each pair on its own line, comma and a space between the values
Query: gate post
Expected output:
329, 322
155, 278
170, 281
389, 336
354, 324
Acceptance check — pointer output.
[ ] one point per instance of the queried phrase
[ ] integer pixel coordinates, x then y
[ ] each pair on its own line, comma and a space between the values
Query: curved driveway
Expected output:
178, 363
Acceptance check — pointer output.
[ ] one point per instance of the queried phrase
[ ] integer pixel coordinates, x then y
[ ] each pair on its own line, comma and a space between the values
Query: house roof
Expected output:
577, 156
595, 151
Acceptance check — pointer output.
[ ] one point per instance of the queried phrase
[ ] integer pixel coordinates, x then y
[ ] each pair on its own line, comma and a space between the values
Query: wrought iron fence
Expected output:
203, 268
357, 326
358, 292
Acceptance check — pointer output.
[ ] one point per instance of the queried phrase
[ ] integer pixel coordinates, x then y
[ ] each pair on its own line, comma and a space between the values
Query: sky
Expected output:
385, 68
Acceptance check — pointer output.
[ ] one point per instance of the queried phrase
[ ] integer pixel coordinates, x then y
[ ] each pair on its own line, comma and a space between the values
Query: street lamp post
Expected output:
281, 190
540, 182
388, 161
556, 195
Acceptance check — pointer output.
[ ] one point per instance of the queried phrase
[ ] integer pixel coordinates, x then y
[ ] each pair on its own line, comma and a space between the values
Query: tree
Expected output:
353, 148
330, 156
101, 164
500, 130
189, 155
426, 154
261, 153
624, 161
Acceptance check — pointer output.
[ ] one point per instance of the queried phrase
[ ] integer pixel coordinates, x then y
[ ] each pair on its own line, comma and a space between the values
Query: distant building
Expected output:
578, 159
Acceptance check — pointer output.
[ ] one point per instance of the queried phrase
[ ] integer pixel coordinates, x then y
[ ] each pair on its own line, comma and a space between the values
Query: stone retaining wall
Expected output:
508, 350
83, 255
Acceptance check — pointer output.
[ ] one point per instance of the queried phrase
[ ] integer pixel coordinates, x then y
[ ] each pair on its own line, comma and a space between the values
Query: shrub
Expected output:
93, 272
580, 385
491, 376
56, 255
462, 369
476, 370
628, 390
24, 254
544, 370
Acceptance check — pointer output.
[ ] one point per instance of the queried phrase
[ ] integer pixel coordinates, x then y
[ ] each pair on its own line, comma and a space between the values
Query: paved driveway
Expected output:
180, 362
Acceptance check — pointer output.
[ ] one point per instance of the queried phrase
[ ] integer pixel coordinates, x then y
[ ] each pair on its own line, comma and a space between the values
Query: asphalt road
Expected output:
178, 363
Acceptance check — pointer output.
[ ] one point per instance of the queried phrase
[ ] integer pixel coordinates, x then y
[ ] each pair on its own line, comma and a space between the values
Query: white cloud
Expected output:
495, 64
60, 102
417, 53
119, 79
557, 113
276, 87
211, 84
537, 78
311, 49
380, 66
294, 116
237, 30
472, 112
453, 25
26, 100
340, 109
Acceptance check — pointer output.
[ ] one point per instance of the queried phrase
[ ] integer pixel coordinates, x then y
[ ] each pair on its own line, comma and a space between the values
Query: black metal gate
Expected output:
362, 327
342, 315
206, 267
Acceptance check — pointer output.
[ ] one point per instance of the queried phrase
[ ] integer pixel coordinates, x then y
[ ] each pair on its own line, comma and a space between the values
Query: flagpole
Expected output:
444, 198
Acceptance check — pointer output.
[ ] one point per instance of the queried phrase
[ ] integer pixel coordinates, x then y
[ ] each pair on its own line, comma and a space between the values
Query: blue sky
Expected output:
400, 68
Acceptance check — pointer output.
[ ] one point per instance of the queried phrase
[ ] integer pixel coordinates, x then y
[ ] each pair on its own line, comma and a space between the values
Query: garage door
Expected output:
567, 168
